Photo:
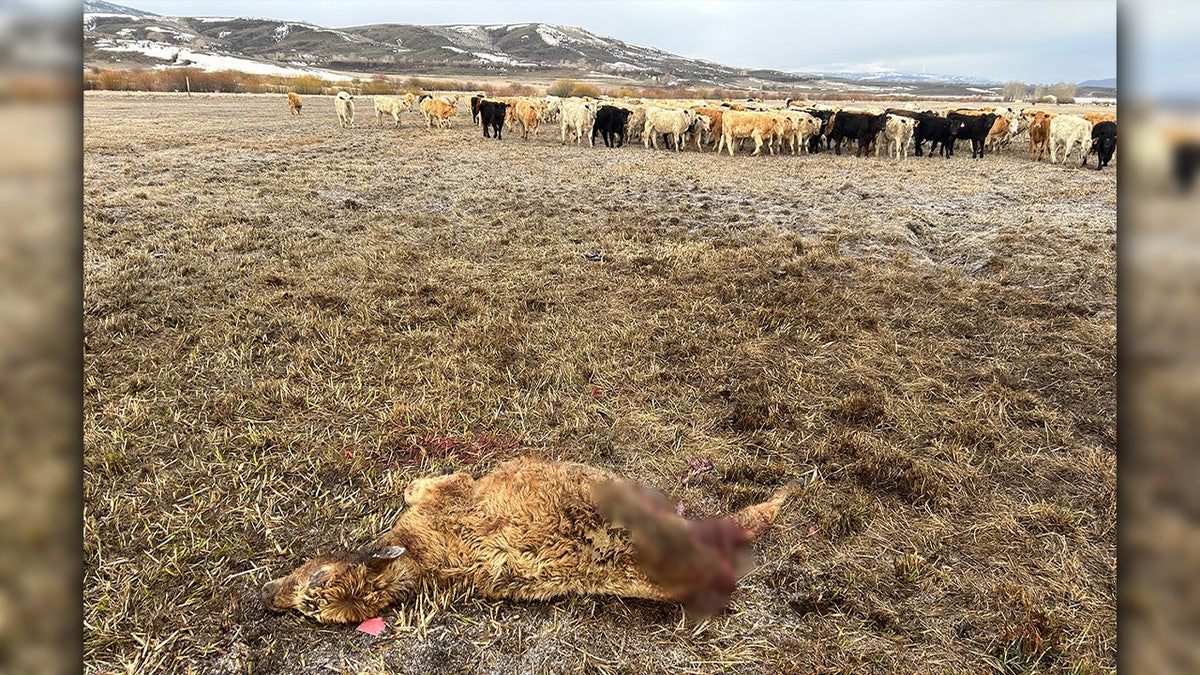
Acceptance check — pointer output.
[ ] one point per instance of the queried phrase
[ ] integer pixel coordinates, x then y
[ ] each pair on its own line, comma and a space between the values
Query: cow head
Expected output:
344, 587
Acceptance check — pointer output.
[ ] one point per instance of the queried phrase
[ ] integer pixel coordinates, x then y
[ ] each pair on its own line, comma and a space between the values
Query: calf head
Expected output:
344, 587
1104, 147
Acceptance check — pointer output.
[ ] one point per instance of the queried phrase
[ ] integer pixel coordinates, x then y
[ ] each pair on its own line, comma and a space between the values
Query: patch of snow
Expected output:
127, 32
281, 32
454, 49
211, 19
224, 34
981, 91
473, 31
551, 36
494, 58
1091, 100
621, 65
100, 15
208, 61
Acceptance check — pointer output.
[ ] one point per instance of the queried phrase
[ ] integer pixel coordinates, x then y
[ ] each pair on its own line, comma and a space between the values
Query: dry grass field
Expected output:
286, 321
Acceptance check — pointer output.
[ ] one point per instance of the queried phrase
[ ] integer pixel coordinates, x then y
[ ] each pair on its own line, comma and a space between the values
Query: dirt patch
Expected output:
285, 322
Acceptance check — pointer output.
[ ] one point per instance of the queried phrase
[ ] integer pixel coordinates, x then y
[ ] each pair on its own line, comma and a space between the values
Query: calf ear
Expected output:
379, 558
388, 553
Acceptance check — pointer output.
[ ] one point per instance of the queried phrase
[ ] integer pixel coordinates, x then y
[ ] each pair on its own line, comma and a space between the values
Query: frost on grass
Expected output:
285, 323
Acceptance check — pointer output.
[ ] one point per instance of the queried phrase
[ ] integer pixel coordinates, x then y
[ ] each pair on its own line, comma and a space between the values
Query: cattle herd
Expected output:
795, 127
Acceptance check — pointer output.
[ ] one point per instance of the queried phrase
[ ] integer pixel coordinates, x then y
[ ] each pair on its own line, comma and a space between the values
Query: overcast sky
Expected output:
1036, 42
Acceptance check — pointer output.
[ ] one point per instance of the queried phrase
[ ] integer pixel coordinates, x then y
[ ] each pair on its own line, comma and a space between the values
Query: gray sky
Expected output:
1036, 42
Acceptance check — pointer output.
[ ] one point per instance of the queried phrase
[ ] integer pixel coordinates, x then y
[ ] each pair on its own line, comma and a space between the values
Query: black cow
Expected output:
935, 129
971, 127
1185, 160
862, 127
475, 109
492, 114
1104, 143
610, 124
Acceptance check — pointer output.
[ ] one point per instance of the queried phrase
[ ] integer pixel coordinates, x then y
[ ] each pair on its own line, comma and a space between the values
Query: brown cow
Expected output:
1039, 132
294, 103
532, 530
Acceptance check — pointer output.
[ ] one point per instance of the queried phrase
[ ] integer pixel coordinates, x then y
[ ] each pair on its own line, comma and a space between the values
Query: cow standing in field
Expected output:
860, 127
1067, 132
1039, 132
528, 116
390, 106
739, 124
1098, 117
974, 128
475, 109
896, 135
823, 116
491, 113
577, 119
438, 111
553, 108
1104, 142
610, 124
668, 122
636, 123
533, 530
935, 129
714, 116
294, 103
343, 104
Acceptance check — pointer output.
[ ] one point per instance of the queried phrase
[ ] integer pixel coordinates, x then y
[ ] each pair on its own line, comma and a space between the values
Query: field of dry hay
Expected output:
285, 322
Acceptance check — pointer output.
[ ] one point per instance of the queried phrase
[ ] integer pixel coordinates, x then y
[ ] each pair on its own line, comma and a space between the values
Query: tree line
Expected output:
1015, 90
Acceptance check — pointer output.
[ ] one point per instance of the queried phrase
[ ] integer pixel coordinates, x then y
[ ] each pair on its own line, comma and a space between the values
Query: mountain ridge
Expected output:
116, 33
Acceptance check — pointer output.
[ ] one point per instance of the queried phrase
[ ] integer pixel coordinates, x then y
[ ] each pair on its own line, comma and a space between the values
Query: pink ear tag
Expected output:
372, 626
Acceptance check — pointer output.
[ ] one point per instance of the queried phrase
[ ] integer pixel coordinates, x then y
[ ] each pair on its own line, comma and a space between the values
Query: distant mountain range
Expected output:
880, 74
116, 34
1108, 82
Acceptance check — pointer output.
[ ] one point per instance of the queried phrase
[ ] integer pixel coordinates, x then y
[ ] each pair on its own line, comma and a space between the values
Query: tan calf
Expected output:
531, 530
528, 116
438, 111
294, 103
736, 125
1098, 117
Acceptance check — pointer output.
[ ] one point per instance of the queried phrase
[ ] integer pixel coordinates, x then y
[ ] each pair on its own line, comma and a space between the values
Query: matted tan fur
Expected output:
531, 530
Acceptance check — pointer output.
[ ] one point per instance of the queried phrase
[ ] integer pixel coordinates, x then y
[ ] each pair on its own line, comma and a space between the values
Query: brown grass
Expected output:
285, 322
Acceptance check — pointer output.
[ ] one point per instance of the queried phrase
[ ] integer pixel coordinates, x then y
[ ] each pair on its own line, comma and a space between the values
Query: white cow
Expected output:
896, 135
578, 118
1067, 131
390, 105
553, 108
343, 103
636, 124
663, 121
